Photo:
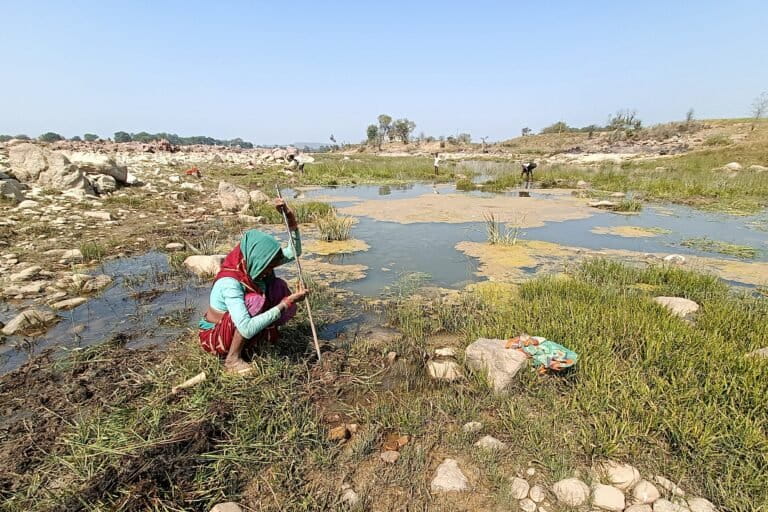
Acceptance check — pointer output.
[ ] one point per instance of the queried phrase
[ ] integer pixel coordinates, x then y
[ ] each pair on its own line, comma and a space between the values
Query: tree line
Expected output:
138, 137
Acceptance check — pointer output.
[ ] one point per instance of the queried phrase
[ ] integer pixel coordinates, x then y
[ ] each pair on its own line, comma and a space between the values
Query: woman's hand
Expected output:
293, 298
281, 207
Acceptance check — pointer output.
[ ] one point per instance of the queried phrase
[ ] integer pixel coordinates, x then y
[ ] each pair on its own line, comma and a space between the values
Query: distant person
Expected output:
528, 171
437, 164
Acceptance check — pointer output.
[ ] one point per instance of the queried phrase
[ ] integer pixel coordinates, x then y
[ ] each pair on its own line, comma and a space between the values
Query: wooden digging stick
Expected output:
301, 277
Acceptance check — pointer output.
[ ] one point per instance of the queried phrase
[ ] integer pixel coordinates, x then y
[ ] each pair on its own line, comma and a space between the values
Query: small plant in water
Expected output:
333, 227
500, 233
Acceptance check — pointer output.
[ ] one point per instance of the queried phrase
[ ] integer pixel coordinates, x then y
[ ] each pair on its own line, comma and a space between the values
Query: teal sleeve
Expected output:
247, 326
288, 255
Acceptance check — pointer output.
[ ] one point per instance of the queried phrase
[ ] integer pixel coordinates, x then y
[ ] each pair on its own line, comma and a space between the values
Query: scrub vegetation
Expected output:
708, 245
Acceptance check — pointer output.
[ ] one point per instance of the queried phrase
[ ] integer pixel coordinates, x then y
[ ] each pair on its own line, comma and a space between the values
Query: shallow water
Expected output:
149, 303
429, 248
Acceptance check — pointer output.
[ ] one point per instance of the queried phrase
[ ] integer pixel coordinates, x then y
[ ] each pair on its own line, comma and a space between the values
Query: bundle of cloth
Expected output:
544, 354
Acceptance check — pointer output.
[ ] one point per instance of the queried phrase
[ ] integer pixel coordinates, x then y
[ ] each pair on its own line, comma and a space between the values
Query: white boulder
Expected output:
608, 497
204, 265
490, 443
645, 492
500, 364
518, 488
621, 476
449, 478
571, 492
28, 319
232, 197
678, 305
444, 370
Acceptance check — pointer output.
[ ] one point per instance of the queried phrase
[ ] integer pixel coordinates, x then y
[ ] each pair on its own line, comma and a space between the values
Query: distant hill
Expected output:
311, 146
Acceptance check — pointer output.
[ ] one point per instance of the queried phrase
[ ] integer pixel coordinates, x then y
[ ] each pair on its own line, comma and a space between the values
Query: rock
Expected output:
733, 166
607, 497
71, 255
30, 288
500, 364
761, 353
445, 352
279, 153
105, 216
27, 204
25, 275
527, 505
338, 433
639, 508
449, 477
582, 184
602, 204
621, 476
197, 187
472, 427
537, 493
29, 319
668, 485
104, 184
678, 305
571, 492
490, 443
174, 246
701, 505
232, 197
257, 196
350, 498
174, 179
645, 492
391, 356
758, 168
390, 456
204, 265
33, 164
664, 505
675, 258
94, 163
229, 506
530, 471
11, 189
518, 488
619, 195
69, 303
444, 370
97, 283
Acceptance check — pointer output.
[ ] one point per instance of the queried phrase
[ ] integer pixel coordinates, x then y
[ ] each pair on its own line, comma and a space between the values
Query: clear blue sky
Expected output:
280, 72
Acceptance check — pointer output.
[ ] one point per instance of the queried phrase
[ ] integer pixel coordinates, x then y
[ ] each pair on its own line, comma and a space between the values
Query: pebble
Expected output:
229, 506
174, 246
530, 471
621, 476
519, 488
571, 492
608, 497
445, 352
69, 303
449, 477
527, 505
105, 216
664, 505
538, 493
350, 497
639, 508
645, 492
490, 443
701, 505
391, 356
390, 456
668, 485
444, 370
472, 427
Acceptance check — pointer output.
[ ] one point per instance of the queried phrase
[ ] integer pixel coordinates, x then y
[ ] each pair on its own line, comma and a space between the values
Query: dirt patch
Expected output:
525, 212
629, 231
323, 248
40, 398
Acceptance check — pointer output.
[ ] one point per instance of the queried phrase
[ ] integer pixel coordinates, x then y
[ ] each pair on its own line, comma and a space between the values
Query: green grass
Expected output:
334, 227
669, 397
708, 245
466, 185
628, 205
334, 170
92, 251
498, 232
306, 211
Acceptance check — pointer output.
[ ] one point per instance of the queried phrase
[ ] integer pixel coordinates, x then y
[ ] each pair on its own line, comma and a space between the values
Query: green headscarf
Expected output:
258, 249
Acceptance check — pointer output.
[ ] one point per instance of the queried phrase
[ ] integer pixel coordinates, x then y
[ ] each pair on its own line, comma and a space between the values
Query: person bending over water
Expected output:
248, 303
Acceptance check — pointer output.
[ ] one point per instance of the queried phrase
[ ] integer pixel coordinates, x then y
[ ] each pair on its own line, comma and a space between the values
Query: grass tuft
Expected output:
708, 245
334, 227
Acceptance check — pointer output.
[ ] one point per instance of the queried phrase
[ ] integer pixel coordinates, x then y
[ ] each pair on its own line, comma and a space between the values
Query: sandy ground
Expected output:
324, 248
501, 262
628, 231
525, 212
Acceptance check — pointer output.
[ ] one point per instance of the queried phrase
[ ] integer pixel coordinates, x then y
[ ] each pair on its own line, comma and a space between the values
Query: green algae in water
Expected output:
708, 245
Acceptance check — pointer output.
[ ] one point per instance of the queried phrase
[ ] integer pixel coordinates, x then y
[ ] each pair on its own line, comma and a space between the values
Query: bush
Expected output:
334, 227
50, 137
